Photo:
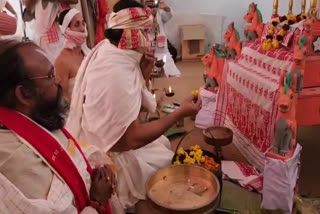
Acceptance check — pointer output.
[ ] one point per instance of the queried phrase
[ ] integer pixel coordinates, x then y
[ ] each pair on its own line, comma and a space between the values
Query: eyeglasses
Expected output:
50, 76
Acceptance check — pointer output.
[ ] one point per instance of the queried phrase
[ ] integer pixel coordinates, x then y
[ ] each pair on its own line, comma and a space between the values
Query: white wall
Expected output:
234, 10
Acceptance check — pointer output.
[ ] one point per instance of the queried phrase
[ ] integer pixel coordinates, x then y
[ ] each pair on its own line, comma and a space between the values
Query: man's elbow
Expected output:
125, 144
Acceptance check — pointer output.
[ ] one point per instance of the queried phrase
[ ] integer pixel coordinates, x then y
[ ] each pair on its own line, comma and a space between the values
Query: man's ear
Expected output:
24, 96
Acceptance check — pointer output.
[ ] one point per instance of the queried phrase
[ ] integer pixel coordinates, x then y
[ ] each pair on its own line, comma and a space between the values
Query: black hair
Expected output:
62, 15
114, 35
13, 71
125, 4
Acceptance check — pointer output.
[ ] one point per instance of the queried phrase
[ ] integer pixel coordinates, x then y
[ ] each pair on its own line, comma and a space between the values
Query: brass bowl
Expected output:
183, 189
218, 136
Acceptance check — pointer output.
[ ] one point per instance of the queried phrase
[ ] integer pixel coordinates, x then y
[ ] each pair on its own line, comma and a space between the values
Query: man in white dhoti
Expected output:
47, 32
107, 98
43, 170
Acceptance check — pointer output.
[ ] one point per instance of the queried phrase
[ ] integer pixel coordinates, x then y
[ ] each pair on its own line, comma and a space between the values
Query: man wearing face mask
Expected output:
47, 33
68, 62
43, 169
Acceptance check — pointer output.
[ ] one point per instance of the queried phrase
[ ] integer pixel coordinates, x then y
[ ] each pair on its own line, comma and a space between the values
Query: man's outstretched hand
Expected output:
189, 107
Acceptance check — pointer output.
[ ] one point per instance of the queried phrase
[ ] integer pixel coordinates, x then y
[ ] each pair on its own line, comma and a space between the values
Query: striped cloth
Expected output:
52, 34
8, 24
246, 175
135, 23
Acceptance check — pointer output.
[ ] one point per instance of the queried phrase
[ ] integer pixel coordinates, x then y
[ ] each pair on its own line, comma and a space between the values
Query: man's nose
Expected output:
82, 28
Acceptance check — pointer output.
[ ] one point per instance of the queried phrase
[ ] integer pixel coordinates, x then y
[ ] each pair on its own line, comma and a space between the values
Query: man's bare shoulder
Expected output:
63, 57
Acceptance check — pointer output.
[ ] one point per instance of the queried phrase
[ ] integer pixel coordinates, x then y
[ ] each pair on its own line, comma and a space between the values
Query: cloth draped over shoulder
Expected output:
18, 197
47, 32
108, 94
135, 23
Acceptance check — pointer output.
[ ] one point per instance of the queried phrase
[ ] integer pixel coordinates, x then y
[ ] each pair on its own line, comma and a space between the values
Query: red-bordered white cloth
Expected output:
52, 34
247, 99
246, 175
135, 23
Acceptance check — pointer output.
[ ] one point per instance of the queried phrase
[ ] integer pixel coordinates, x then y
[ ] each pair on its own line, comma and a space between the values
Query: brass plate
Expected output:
183, 187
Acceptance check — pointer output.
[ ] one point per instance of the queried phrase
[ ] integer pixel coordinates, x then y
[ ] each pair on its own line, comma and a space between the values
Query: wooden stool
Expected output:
218, 137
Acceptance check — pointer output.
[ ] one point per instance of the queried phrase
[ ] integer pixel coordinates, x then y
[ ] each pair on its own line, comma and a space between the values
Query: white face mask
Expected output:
74, 38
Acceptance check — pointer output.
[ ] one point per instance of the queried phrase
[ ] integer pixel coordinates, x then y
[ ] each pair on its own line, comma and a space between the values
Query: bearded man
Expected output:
43, 169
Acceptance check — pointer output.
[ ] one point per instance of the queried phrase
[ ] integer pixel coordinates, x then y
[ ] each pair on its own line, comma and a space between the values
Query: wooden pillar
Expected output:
90, 21
303, 6
290, 12
313, 4
275, 8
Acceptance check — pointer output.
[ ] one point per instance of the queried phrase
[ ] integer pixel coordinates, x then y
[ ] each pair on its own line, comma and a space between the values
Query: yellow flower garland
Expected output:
268, 44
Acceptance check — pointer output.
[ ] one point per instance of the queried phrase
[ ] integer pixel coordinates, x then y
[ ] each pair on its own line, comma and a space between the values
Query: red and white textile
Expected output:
247, 98
246, 175
135, 22
47, 32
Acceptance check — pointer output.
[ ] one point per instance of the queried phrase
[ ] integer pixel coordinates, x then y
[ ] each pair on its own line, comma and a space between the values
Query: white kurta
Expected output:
107, 97
170, 68
59, 200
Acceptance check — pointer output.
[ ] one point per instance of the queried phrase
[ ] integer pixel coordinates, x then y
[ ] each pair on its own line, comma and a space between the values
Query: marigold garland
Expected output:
271, 42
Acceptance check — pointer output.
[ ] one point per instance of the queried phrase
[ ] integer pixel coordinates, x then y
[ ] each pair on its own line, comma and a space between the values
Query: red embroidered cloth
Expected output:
247, 98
